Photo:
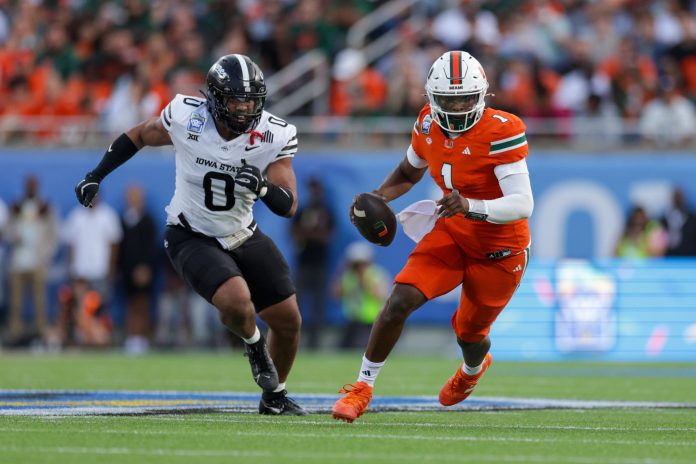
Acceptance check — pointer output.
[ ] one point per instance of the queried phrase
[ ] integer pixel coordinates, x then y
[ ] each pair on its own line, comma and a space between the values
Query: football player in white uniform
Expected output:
229, 153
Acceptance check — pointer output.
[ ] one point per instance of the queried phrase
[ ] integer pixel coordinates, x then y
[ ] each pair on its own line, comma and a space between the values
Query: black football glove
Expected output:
86, 190
250, 177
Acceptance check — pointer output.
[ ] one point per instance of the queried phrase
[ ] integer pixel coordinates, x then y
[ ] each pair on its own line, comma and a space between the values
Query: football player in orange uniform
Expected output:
481, 237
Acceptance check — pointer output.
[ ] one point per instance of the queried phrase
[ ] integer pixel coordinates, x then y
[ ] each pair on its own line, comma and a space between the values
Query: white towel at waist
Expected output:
418, 218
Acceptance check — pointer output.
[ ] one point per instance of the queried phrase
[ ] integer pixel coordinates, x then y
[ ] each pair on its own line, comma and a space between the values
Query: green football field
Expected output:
617, 435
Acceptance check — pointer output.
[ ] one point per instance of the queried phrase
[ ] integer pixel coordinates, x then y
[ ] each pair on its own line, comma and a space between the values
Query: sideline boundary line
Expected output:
97, 402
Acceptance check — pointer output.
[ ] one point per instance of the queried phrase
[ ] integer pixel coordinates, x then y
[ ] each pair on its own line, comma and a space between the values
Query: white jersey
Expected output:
206, 194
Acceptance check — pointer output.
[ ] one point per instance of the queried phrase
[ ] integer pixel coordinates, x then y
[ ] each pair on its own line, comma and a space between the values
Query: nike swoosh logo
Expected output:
110, 149
250, 148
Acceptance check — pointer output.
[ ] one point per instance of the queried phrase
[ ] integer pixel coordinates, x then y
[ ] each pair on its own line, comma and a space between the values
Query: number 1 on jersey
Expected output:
447, 175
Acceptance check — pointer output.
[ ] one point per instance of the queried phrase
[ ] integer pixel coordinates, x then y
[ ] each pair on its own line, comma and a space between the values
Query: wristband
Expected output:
478, 211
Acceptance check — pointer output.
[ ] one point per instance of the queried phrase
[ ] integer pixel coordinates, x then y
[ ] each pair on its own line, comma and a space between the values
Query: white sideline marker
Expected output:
94, 403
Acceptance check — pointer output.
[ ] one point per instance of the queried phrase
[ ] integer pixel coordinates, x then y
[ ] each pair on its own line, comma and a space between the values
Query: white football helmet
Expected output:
456, 88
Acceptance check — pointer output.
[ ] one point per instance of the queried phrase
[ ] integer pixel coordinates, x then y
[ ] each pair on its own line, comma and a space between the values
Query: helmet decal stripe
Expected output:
456, 68
245, 71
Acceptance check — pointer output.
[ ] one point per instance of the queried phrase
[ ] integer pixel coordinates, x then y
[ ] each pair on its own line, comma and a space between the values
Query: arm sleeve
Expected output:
415, 160
278, 199
517, 201
121, 150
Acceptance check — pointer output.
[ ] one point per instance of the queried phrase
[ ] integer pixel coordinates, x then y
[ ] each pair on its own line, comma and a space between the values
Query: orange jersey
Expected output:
467, 164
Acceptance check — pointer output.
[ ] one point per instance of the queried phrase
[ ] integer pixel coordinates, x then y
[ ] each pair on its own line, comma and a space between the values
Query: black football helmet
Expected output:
235, 78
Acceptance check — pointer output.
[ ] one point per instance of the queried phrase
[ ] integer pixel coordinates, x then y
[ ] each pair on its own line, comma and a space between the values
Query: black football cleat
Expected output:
262, 368
278, 404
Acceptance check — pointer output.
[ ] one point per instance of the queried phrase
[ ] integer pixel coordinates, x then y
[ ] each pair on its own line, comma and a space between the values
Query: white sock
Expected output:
254, 338
280, 387
369, 371
472, 370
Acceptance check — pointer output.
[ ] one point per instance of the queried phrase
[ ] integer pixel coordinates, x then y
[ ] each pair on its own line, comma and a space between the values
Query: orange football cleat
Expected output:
459, 386
354, 404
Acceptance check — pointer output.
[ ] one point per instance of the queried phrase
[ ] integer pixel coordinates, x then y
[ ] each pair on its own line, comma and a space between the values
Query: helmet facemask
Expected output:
457, 112
238, 112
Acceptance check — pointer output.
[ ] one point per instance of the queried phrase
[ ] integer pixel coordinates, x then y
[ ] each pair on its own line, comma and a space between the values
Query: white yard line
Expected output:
342, 434
138, 451
463, 426
327, 455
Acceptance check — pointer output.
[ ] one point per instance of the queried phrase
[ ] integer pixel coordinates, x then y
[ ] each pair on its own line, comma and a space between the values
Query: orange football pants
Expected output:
438, 265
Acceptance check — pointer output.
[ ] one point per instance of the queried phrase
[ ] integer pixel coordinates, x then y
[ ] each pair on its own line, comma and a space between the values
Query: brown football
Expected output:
374, 219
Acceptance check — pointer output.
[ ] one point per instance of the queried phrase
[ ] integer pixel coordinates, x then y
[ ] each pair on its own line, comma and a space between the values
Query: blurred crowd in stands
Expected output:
672, 234
613, 61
